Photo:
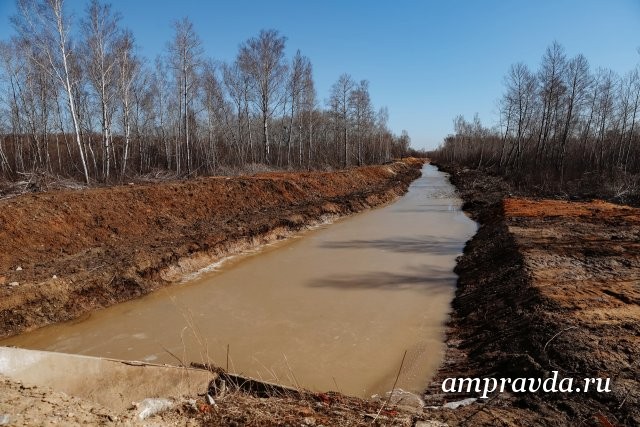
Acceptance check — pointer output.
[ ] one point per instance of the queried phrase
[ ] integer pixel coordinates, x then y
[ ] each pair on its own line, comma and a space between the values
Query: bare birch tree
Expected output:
185, 56
577, 82
300, 69
362, 116
44, 24
128, 68
339, 104
262, 58
519, 100
100, 30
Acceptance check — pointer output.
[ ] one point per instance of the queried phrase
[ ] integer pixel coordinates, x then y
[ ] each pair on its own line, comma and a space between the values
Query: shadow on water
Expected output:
422, 244
442, 209
428, 278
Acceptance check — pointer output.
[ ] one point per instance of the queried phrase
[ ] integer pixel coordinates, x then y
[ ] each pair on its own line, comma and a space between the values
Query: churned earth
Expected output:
548, 285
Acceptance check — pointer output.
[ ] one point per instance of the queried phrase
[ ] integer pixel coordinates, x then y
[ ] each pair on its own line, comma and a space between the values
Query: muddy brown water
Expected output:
333, 308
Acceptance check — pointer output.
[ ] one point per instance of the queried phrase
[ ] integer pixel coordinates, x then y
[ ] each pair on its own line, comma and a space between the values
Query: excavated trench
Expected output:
334, 307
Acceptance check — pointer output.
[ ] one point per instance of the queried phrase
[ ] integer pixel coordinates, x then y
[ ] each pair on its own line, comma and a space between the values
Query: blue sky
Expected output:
427, 61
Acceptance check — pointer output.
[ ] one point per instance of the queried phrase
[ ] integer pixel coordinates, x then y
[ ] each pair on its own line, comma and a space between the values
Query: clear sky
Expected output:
427, 61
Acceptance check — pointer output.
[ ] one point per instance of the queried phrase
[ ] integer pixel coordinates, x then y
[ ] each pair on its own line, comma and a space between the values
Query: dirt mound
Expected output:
66, 253
548, 285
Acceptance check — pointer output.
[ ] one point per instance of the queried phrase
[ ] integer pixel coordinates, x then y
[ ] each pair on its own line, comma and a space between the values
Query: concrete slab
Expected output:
111, 383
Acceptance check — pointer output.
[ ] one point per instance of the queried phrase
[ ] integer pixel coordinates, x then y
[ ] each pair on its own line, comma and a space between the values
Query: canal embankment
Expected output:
545, 286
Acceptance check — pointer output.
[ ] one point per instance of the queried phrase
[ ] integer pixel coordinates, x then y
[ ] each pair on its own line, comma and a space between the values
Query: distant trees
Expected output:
561, 123
362, 134
79, 101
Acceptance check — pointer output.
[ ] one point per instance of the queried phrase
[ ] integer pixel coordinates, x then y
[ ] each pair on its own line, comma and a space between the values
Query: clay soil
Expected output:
547, 285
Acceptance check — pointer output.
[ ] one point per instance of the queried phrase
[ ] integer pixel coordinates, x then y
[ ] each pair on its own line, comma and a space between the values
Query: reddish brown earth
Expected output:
66, 253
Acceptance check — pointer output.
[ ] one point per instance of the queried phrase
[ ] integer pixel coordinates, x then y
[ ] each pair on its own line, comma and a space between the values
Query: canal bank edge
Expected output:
534, 295
64, 254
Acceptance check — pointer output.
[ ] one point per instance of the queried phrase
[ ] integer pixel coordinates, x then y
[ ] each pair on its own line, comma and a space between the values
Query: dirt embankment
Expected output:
547, 285
66, 253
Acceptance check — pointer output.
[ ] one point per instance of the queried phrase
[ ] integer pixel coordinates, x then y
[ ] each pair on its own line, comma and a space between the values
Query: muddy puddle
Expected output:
332, 309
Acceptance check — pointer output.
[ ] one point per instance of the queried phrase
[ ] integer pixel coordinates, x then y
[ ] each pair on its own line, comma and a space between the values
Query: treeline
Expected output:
562, 127
79, 101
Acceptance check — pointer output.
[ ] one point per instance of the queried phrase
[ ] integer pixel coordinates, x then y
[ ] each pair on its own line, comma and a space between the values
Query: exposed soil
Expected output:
66, 253
30, 406
39, 406
547, 285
